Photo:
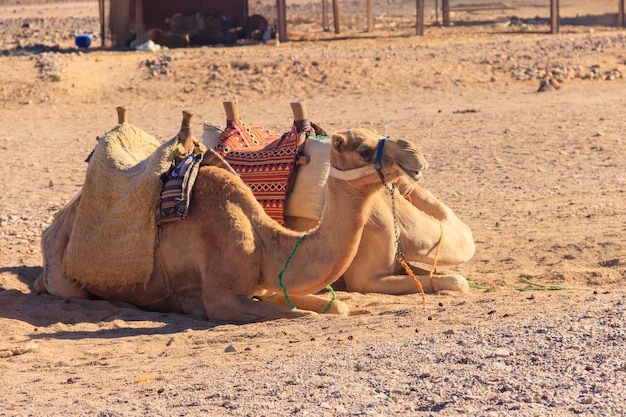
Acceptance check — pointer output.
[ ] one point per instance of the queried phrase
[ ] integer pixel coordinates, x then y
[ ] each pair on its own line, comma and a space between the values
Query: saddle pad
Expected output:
264, 160
178, 185
307, 196
176, 192
114, 232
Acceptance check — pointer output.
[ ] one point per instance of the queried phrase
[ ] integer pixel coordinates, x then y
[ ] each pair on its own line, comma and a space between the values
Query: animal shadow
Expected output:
44, 310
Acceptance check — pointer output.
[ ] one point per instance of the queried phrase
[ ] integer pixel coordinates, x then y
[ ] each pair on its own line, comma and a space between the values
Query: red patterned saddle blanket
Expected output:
265, 161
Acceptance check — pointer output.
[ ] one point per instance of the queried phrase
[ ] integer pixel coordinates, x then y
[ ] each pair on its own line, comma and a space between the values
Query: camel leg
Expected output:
53, 243
401, 283
440, 282
404, 284
241, 309
458, 243
309, 302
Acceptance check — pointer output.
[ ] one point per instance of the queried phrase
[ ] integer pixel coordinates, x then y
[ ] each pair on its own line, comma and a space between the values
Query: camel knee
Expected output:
468, 246
461, 249
339, 308
63, 287
39, 285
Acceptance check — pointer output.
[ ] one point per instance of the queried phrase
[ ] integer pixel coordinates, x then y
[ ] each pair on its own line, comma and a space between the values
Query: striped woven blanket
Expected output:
264, 160
178, 185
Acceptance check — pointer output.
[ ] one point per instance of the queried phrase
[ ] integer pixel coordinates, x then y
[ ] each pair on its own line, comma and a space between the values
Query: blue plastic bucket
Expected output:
83, 41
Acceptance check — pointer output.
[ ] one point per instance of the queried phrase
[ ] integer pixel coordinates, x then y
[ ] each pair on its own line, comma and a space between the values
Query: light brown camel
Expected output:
422, 220
223, 261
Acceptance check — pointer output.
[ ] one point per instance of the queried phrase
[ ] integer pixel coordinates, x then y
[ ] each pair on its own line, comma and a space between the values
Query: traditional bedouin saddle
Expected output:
265, 161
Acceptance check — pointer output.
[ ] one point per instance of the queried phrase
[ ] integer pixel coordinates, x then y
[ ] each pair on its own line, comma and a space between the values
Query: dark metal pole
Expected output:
620, 14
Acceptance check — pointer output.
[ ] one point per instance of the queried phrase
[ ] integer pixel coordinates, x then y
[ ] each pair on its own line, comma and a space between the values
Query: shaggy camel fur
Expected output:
223, 261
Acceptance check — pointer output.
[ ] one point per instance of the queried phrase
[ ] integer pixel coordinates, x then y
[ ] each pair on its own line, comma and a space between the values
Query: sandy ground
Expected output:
539, 177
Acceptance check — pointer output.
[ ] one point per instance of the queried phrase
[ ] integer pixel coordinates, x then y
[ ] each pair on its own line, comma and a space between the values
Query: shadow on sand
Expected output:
44, 310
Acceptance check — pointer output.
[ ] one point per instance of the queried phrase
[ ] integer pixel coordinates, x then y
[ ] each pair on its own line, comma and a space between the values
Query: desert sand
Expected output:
538, 176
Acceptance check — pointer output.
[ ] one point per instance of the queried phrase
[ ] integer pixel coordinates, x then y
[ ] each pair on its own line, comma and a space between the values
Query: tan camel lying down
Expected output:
223, 261
422, 222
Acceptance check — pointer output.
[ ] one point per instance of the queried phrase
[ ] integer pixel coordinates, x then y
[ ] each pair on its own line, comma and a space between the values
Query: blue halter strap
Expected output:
379, 152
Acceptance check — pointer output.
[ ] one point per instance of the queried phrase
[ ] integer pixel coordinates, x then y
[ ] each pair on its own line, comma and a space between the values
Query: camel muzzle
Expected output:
365, 170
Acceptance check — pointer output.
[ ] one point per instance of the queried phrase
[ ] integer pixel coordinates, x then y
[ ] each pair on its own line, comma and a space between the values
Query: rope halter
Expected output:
356, 173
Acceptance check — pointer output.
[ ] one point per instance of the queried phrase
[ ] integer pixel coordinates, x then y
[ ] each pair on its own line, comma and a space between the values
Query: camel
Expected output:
229, 261
429, 233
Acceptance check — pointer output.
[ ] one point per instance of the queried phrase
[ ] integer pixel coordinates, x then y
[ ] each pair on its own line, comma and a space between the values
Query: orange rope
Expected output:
409, 271
434, 267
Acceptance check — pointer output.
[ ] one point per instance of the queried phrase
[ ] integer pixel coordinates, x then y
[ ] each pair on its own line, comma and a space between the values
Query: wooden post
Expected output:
102, 20
336, 16
325, 15
445, 12
298, 108
232, 110
370, 19
122, 114
419, 24
281, 7
620, 13
185, 137
301, 120
554, 16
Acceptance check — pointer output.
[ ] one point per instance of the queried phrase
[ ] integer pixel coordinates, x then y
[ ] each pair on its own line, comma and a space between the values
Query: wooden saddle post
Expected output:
122, 114
301, 119
232, 110
188, 143
185, 137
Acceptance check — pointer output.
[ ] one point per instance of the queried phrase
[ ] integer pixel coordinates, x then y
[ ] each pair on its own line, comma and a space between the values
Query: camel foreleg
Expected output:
361, 277
241, 309
431, 223
309, 302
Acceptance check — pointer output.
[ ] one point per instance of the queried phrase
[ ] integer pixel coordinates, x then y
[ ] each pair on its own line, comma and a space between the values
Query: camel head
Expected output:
357, 153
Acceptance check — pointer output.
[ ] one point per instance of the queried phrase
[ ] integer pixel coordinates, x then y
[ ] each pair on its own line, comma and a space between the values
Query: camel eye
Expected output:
367, 153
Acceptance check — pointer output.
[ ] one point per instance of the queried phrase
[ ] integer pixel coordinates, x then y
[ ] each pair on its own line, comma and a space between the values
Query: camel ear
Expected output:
339, 141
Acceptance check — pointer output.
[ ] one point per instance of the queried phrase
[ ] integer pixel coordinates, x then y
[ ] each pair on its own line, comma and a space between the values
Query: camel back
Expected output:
114, 233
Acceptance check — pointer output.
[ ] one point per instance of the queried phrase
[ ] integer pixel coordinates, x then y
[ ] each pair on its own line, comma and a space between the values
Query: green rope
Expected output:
530, 286
280, 275
311, 134
327, 306
280, 280
474, 284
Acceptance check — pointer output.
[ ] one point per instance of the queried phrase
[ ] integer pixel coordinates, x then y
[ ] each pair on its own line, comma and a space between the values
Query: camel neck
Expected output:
329, 249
